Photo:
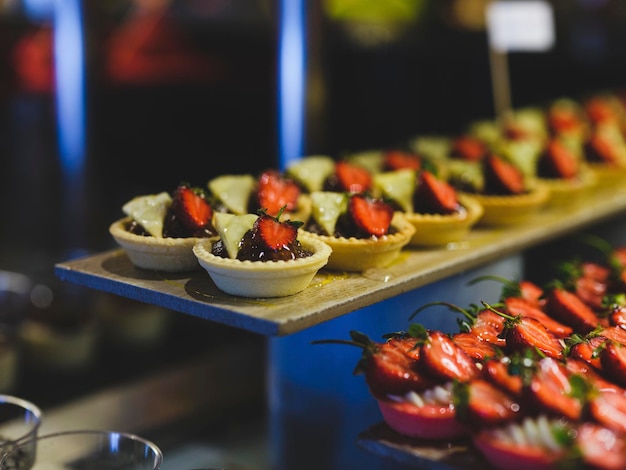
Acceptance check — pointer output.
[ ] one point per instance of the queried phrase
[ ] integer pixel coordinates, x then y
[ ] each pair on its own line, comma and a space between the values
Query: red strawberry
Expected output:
608, 407
517, 306
563, 121
599, 110
191, 208
600, 447
496, 371
524, 332
275, 192
353, 178
468, 148
613, 360
274, 234
588, 350
551, 390
434, 195
373, 216
568, 308
557, 161
600, 149
531, 292
488, 405
474, 347
443, 359
502, 177
398, 160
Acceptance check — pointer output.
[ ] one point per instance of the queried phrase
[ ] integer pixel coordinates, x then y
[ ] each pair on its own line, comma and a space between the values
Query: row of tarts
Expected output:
359, 210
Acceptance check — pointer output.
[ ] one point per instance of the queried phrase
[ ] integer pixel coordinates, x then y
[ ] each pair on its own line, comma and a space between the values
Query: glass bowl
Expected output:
87, 450
19, 423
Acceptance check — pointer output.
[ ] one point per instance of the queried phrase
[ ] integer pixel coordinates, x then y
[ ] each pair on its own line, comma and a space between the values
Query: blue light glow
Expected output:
291, 80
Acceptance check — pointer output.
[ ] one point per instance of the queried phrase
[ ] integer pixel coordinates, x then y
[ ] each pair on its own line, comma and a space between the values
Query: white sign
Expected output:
521, 25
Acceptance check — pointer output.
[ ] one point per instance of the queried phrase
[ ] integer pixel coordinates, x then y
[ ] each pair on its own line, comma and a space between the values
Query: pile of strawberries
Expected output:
535, 380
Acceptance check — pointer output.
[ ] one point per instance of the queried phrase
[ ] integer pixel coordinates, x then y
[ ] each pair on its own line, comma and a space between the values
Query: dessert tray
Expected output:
333, 293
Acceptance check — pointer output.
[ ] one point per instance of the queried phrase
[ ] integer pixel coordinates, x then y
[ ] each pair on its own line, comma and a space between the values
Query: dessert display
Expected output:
534, 380
160, 230
258, 255
437, 212
506, 195
364, 232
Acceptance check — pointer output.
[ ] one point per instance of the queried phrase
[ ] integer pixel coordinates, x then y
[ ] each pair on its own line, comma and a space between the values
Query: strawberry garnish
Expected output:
191, 208
497, 372
475, 347
353, 178
608, 407
569, 309
276, 235
485, 404
600, 149
517, 306
373, 216
442, 358
558, 161
502, 177
434, 195
275, 192
468, 148
600, 447
613, 360
399, 160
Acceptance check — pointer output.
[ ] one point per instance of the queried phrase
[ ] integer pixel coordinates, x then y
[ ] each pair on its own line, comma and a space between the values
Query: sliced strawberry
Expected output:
502, 177
591, 374
468, 148
191, 208
443, 359
558, 161
601, 448
599, 110
588, 350
529, 333
353, 178
497, 372
615, 333
562, 121
434, 195
608, 407
613, 360
275, 192
373, 216
600, 149
488, 326
399, 160
274, 234
531, 292
551, 390
517, 306
488, 405
568, 308
474, 347
617, 315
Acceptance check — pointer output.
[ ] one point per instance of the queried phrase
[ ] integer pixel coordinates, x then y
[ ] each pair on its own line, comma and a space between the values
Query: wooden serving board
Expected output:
332, 294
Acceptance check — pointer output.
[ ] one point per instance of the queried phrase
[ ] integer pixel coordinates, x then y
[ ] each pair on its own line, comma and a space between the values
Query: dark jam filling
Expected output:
172, 228
253, 248
345, 228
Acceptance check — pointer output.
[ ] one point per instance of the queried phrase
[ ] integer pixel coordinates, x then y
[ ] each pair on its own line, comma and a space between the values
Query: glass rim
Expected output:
28, 406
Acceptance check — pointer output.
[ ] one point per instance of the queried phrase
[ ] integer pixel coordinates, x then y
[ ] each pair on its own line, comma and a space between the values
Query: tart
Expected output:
224, 259
513, 209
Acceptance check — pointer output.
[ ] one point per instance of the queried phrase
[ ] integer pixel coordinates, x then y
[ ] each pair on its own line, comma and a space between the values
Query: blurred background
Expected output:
102, 100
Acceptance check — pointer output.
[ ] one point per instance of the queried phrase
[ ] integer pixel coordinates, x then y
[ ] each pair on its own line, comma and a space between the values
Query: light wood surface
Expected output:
332, 294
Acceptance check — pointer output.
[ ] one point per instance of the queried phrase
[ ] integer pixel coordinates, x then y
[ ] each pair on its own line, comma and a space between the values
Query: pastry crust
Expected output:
356, 254
570, 192
263, 278
159, 254
436, 229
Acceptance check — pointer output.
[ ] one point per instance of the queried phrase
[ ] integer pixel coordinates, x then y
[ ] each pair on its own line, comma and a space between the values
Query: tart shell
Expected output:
436, 229
159, 254
357, 254
263, 278
511, 210
570, 192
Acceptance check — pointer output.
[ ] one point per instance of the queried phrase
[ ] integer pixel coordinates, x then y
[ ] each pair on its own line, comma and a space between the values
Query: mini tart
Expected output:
358, 254
159, 254
607, 173
436, 229
514, 209
570, 192
263, 278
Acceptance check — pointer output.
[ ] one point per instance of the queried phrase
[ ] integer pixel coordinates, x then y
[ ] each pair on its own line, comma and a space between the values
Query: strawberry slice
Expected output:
613, 360
497, 372
600, 149
275, 192
568, 308
558, 161
523, 333
274, 234
519, 307
599, 110
468, 148
442, 358
608, 407
488, 405
191, 208
372, 216
502, 177
601, 448
353, 178
474, 347
434, 195
597, 381
552, 391
400, 160
588, 350
531, 292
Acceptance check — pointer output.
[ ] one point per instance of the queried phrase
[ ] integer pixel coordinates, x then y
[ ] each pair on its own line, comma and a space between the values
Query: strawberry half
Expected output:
276, 235
474, 347
519, 307
569, 309
443, 359
399, 160
557, 161
497, 372
373, 216
434, 195
488, 405
191, 208
613, 360
353, 178
529, 333
275, 192
599, 149
468, 148
502, 177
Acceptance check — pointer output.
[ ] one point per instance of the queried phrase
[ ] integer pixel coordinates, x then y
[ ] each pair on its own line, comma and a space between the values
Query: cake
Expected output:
160, 230
258, 255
